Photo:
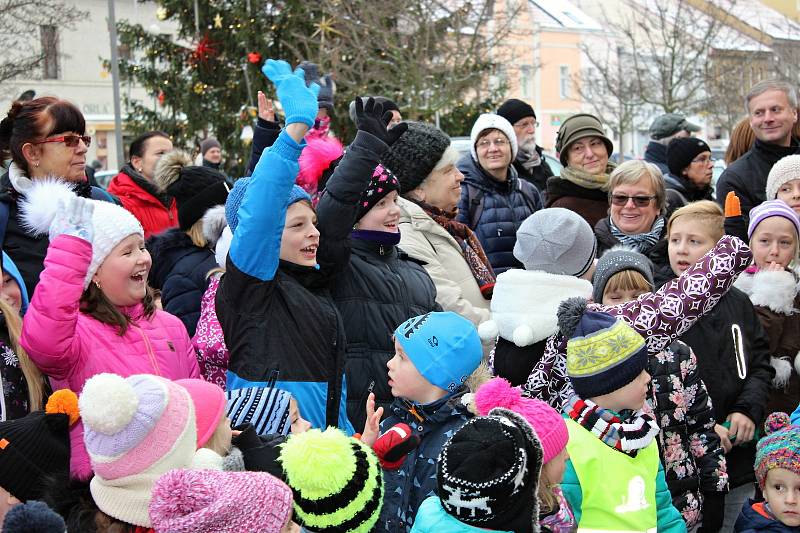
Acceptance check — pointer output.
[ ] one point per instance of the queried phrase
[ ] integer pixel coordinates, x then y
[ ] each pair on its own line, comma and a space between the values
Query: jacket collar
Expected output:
438, 412
774, 152
147, 186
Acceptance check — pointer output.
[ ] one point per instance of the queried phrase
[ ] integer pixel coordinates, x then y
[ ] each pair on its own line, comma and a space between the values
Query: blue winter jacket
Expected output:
495, 210
432, 518
752, 519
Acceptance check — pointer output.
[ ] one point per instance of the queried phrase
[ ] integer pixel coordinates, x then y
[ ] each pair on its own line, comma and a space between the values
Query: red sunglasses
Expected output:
69, 140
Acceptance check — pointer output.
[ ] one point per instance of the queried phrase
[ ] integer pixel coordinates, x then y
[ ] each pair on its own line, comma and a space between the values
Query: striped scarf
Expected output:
642, 242
629, 434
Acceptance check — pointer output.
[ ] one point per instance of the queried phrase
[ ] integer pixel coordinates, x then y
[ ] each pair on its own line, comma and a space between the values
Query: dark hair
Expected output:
138, 144
95, 304
33, 120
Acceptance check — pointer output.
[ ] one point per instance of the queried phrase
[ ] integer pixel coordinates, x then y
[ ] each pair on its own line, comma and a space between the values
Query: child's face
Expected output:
123, 275
406, 381
782, 492
774, 241
7, 501
220, 441
631, 396
299, 424
11, 292
688, 242
553, 471
790, 193
621, 296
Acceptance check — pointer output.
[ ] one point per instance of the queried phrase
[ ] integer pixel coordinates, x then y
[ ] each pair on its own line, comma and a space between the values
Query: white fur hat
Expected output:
786, 169
110, 222
490, 121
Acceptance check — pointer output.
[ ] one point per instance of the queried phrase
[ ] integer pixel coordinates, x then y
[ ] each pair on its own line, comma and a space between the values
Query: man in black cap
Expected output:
529, 163
663, 129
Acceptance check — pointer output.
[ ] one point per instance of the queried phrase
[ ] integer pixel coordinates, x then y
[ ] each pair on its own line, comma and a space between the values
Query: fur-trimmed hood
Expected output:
773, 290
525, 303
168, 169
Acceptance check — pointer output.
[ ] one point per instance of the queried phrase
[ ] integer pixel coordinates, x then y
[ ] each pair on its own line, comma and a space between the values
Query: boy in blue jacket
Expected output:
614, 480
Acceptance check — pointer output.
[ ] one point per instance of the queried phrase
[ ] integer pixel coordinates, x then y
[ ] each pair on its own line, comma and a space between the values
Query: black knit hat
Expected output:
415, 154
195, 189
382, 183
488, 473
514, 110
681, 151
36, 446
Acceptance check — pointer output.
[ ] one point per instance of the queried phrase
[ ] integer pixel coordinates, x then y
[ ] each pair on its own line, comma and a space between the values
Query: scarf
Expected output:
529, 159
562, 520
586, 180
627, 432
384, 238
641, 242
471, 248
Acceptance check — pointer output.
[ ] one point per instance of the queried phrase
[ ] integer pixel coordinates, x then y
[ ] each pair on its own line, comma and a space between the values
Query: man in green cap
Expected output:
663, 129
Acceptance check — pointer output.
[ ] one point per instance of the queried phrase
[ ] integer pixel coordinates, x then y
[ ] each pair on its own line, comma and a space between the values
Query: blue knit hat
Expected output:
236, 196
444, 347
604, 353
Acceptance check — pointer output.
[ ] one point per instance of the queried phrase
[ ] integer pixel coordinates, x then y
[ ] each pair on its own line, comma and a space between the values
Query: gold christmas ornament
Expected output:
218, 21
161, 13
198, 88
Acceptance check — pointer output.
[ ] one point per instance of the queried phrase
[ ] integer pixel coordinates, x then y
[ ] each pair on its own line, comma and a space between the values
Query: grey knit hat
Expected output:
577, 127
616, 260
557, 241
415, 154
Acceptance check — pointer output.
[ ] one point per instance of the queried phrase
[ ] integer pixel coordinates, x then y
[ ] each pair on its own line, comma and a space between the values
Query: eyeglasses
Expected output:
704, 160
485, 143
638, 201
527, 124
69, 140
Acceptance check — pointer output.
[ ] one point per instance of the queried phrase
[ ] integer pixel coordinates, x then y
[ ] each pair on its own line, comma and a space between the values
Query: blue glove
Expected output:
299, 102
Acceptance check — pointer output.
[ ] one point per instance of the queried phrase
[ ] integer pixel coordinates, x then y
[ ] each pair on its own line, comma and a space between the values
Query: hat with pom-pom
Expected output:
604, 353
336, 481
785, 170
33, 517
317, 161
135, 429
37, 445
780, 448
546, 421
207, 501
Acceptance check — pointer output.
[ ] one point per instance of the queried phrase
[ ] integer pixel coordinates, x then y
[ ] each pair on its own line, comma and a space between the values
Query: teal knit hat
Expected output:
236, 196
779, 449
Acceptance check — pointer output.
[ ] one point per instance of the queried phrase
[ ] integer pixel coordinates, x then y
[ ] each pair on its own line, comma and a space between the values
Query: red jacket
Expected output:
154, 217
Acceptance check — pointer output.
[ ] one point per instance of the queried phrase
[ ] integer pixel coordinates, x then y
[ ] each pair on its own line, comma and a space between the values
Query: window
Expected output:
49, 36
525, 81
565, 83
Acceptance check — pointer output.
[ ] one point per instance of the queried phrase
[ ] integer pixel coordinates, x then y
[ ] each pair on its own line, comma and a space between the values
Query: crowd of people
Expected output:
386, 335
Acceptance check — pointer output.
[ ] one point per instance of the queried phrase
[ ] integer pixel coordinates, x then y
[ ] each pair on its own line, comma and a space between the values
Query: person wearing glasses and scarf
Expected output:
691, 168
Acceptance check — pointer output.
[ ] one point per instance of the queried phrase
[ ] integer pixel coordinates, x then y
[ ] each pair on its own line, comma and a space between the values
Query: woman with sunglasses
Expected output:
44, 137
691, 168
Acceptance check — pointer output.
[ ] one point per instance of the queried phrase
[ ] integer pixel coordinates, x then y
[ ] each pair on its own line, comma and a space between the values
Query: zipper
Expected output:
380, 249
149, 347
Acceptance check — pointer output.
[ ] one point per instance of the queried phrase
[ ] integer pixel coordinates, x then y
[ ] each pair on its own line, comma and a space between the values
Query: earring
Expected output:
97, 283
36, 164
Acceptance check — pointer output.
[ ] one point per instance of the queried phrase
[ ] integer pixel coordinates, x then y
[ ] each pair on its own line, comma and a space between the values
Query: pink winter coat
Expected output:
208, 340
70, 347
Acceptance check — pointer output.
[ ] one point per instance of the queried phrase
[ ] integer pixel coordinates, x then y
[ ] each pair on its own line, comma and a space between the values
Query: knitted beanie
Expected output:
336, 481
681, 151
209, 501
209, 406
556, 241
317, 162
577, 127
235, 197
266, 408
415, 154
490, 121
488, 473
33, 517
135, 429
110, 223
207, 144
196, 189
772, 208
603, 352
616, 260
382, 183
36, 446
546, 421
514, 110
779, 449
444, 347
786, 169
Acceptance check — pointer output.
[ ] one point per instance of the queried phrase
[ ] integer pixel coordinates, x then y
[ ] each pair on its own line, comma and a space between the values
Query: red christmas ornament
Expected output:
161, 97
204, 50
254, 58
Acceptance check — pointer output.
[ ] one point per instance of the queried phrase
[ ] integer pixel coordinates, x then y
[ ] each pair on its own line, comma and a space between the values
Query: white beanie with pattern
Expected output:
786, 169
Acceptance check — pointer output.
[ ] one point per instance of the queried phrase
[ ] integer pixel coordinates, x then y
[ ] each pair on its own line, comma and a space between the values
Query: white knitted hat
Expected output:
786, 169
490, 121
110, 222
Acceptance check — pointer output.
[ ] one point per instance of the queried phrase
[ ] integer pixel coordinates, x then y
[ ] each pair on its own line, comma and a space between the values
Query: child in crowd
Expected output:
92, 311
14, 292
731, 348
783, 182
608, 430
487, 477
555, 514
336, 481
690, 449
214, 432
33, 448
435, 353
777, 468
774, 232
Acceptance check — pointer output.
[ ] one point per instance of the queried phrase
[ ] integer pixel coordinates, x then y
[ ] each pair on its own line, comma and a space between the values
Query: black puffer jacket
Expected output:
538, 175
180, 271
380, 287
504, 206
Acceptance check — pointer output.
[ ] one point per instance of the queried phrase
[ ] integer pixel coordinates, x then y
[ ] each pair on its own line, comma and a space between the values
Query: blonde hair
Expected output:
630, 172
33, 376
196, 234
627, 280
708, 213
219, 442
548, 503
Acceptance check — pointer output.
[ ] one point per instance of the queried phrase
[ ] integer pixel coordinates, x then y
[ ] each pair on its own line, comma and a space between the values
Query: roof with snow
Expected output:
562, 14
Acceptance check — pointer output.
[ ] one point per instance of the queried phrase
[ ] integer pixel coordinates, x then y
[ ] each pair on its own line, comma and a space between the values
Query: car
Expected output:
104, 177
462, 145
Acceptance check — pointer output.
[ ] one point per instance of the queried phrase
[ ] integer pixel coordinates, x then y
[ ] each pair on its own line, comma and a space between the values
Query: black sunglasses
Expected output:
638, 201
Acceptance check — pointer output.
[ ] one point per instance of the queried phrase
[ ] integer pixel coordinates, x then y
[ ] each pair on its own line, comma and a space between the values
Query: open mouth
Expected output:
139, 277
310, 251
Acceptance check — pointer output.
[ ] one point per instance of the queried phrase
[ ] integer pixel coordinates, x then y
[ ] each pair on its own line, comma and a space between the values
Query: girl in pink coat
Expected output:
92, 311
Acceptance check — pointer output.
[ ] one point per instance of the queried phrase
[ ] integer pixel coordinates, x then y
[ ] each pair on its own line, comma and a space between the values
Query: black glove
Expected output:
371, 119
326, 92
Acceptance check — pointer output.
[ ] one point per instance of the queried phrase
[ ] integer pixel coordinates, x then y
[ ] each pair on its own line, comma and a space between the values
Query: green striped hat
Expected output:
336, 481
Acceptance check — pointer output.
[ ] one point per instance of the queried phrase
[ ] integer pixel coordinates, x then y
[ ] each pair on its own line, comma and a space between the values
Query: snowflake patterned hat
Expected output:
779, 449
603, 352
488, 473
382, 183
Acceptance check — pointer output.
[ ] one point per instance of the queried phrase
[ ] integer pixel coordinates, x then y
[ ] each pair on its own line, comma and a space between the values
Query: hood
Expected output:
655, 153
774, 290
755, 517
13, 271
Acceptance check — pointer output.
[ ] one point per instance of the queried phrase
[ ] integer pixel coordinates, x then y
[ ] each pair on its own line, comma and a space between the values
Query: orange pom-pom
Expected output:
64, 401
